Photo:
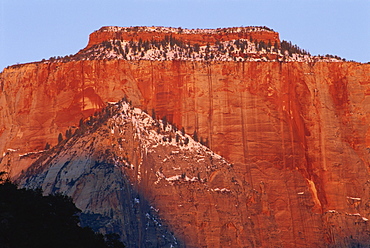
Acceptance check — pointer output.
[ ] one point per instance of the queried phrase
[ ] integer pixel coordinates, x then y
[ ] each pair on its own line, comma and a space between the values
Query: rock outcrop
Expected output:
130, 173
297, 134
193, 36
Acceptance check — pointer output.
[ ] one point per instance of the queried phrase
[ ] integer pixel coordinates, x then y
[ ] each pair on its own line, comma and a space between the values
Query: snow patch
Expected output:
355, 214
354, 198
223, 190
30, 153
231, 50
174, 178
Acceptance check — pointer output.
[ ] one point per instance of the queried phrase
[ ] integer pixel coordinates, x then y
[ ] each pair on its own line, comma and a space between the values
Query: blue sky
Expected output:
31, 30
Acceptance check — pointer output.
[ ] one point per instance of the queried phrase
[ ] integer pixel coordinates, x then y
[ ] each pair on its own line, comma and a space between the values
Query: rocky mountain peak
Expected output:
122, 152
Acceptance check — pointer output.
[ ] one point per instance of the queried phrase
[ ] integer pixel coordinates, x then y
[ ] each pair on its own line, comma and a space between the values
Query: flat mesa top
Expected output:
180, 30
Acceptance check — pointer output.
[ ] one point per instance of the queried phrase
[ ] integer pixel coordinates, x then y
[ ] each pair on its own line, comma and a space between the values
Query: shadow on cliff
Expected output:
109, 203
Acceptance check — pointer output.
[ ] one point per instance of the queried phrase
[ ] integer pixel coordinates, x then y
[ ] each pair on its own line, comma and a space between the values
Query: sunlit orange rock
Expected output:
297, 133
156, 33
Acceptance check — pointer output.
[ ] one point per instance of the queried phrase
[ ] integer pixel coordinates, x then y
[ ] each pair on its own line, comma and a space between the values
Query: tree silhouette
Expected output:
195, 136
60, 138
47, 146
29, 219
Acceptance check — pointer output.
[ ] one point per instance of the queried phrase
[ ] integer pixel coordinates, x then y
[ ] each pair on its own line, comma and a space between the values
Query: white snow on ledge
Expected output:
161, 29
240, 50
354, 214
152, 133
359, 215
30, 153
179, 177
223, 190
354, 198
332, 211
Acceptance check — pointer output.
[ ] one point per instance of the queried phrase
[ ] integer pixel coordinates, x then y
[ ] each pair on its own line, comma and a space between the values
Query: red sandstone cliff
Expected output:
192, 36
297, 133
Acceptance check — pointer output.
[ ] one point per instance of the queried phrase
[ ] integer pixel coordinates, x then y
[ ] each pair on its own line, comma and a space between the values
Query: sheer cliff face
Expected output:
297, 134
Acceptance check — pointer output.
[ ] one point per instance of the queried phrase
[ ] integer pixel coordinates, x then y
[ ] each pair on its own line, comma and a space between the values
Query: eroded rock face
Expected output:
134, 173
199, 36
297, 134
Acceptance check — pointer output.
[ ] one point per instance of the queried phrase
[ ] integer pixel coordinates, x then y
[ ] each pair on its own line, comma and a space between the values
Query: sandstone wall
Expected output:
297, 133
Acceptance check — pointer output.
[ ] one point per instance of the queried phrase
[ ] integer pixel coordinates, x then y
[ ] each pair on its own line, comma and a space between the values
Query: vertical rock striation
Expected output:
297, 134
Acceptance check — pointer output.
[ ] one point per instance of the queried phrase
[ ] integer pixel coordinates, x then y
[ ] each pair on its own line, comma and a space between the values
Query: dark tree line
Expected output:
99, 118
288, 46
29, 219
184, 49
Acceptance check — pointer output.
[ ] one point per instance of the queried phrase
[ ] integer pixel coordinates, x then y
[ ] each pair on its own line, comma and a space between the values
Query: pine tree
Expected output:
164, 121
81, 123
47, 146
68, 133
195, 136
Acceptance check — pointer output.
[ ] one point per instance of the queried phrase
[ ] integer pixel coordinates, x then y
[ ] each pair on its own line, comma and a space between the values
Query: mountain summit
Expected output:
225, 138
127, 172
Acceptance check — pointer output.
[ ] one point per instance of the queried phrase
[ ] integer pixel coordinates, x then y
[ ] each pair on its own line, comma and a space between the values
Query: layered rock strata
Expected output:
193, 36
296, 133
132, 174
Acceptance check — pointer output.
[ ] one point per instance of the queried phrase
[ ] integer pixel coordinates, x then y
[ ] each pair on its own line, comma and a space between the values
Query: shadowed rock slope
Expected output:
130, 174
